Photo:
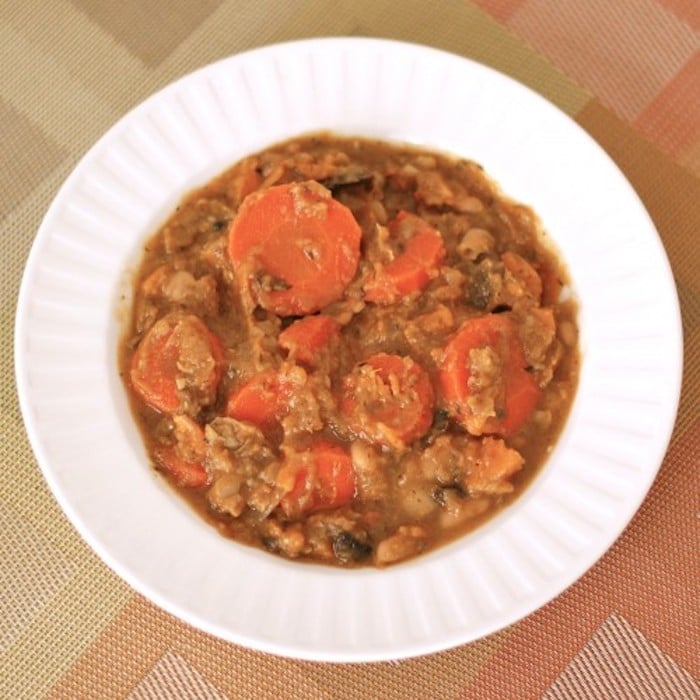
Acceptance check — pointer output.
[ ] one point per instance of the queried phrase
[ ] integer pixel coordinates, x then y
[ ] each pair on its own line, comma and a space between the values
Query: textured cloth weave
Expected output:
628, 72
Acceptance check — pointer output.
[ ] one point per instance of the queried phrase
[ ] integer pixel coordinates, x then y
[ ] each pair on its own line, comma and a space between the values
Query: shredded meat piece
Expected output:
245, 440
370, 469
444, 462
225, 494
486, 388
491, 464
421, 332
537, 333
195, 364
180, 289
189, 439
432, 189
206, 216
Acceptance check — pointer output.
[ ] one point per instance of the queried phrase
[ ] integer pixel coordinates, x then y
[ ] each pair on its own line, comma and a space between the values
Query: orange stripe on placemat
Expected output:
625, 53
649, 577
500, 9
687, 10
672, 118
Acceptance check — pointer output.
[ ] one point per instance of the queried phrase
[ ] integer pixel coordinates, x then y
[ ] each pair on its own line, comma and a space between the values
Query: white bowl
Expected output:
78, 419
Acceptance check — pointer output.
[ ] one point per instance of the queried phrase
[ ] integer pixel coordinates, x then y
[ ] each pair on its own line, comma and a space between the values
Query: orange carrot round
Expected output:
320, 478
305, 339
388, 399
518, 391
295, 247
262, 400
186, 473
423, 252
156, 371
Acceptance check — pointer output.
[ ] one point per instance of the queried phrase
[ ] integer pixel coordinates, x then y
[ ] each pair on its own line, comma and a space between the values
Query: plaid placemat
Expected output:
628, 72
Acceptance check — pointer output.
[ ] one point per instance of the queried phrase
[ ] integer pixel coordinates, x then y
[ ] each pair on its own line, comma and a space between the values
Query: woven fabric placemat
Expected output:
628, 72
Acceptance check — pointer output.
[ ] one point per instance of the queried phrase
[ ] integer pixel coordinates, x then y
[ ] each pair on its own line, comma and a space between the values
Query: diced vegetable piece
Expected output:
320, 478
177, 365
484, 401
388, 399
492, 468
295, 246
189, 474
262, 400
423, 252
306, 338
524, 273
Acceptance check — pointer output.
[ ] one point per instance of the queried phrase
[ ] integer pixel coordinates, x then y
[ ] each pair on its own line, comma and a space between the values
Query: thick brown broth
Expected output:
366, 383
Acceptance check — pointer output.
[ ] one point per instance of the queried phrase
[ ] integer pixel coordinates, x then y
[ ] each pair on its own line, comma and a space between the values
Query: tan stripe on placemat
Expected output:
32, 571
150, 30
172, 677
620, 662
85, 50
30, 155
75, 123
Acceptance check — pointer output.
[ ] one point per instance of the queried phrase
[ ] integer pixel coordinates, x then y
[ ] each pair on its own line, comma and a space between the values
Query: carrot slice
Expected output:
177, 365
295, 246
411, 271
262, 400
516, 392
388, 399
306, 338
186, 473
320, 478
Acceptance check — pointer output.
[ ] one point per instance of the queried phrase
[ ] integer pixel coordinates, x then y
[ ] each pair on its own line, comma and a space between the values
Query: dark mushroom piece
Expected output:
347, 548
348, 178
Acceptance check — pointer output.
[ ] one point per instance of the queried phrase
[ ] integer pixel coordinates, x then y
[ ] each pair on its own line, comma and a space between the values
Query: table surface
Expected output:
628, 72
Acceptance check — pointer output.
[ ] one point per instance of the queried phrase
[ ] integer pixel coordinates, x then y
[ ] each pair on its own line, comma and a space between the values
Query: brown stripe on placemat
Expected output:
690, 157
620, 662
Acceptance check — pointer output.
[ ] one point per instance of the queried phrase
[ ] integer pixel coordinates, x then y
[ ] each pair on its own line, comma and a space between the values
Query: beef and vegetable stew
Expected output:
348, 351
